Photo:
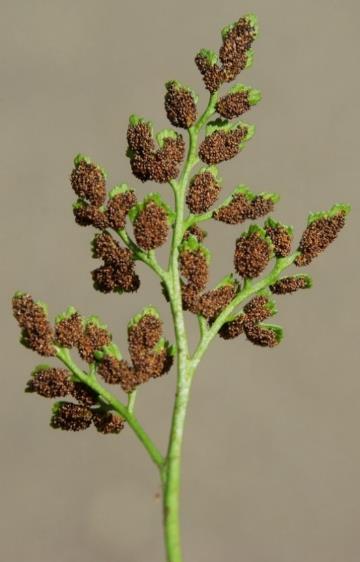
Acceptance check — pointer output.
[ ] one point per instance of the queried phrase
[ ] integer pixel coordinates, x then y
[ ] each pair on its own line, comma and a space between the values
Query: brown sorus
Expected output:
289, 285
260, 336
68, 331
88, 182
88, 215
195, 230
317, 237
233, 328
233, 52
83, 394
221, 146
212, 74
107, 422
252, 254
37, 333
71, 417
151, 226
146, 333
259, 207
210, 304
110, 369
190, 297
203, 192
105, 247
257, 309
129, 377
233, 105
160, 166
180, 106
194, 267
121, 277
51, 383
281, 240
118, 208
94, 338
140, 139
235, 212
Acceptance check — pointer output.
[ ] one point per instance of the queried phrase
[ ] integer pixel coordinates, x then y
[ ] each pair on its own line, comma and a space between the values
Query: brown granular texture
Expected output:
260, 336
110, 369
83, 394
190, 298
221, 146
194, 268
88, 215
233, 328
72, 417
68, 331
180, 106
129, 377
105, 247
37, 333
122, 277
252, 254
88, 182
202, 194
160, 166
317, 237
235, 212
145, 334
93, 339
233, 52
281, 239
139, 138
288, 285
196, 231
210, 304
51, 383
257, 309
259, 207
151, 227
118, 208
233, 105
213, 75
107, 422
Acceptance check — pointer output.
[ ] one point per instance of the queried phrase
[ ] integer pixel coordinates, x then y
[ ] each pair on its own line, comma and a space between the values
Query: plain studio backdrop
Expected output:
272, 454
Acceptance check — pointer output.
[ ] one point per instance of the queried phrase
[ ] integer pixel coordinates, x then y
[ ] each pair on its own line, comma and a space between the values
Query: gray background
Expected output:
272, 456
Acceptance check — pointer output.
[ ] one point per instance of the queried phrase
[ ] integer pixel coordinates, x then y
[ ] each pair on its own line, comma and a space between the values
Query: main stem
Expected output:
171, 473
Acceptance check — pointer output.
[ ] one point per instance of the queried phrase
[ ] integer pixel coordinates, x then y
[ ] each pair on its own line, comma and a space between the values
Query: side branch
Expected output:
125, 411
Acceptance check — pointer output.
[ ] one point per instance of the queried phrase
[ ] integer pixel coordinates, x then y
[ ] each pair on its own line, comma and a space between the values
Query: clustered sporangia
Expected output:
132, 226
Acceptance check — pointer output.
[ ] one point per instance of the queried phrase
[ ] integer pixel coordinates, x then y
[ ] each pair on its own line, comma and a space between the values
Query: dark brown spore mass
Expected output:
108, 423
194, 267
233, 105
146, 333
233, 328
180, 106
140, 139
93, 339
317, 237
151, 227
212, 74
110, 369
69, 331
83, 394
257, 309
281, 240
288, 285
118, 208
88, 215
51, 383
88, 182
260, 336
72, 417
210, 304
203, 193
221, 146
235, 212
252, 254
190, 297
37, 333
233, 52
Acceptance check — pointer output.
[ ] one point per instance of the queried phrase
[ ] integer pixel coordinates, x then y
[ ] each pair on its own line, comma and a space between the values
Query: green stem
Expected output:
171, 483
119, 407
